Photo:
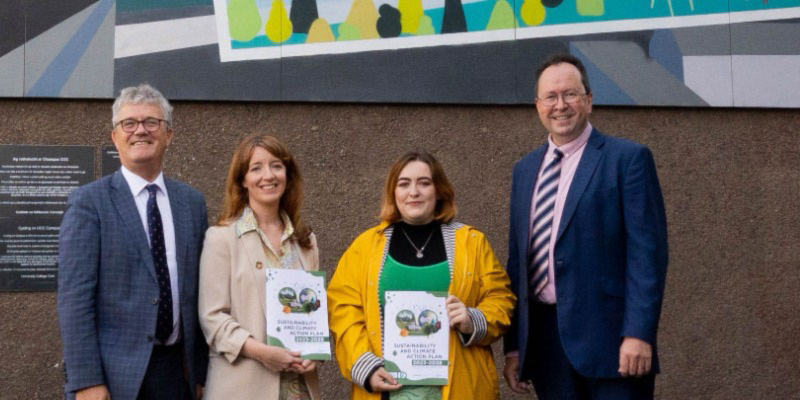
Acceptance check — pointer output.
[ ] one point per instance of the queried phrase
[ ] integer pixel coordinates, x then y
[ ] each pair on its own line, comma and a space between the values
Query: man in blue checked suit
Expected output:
129, 252
587, 254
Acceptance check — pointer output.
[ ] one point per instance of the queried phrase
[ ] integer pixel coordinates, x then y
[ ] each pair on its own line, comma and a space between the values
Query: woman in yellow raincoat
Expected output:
418, 246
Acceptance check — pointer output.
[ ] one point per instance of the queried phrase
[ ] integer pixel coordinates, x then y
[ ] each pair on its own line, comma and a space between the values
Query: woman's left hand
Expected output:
459, 317
306, 366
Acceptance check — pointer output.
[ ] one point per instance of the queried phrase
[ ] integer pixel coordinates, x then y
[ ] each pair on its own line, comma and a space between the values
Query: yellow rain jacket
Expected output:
478, 280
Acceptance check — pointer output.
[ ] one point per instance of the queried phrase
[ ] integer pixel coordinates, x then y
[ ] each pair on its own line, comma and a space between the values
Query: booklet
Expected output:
297, 312
416, 337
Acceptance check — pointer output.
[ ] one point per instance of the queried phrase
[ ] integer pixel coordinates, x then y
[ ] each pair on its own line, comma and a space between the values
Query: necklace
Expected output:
420, 249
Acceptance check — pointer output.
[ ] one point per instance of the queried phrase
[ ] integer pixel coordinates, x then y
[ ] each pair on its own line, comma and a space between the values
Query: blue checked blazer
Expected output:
107, 289
610, 254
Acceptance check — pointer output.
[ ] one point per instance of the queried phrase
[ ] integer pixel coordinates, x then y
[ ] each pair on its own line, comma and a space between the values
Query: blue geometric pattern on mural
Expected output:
604, 90
664, 50
58, 72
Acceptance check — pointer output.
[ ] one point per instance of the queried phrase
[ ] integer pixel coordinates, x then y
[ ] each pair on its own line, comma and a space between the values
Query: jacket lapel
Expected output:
126, 207
255, 255
181, 222
586, 167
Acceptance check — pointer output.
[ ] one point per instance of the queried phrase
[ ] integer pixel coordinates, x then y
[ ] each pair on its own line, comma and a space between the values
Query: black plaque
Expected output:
29, 253
109, 160
35, 182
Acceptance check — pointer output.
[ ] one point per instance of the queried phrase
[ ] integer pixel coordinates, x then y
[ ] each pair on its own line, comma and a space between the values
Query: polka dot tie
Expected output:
159, 251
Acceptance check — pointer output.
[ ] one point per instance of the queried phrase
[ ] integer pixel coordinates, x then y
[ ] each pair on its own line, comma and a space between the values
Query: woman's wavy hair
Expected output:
236, 195
445, 209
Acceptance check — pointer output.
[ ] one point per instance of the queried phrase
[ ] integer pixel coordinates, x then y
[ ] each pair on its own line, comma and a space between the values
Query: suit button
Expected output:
155, 301
149, 338
259, 265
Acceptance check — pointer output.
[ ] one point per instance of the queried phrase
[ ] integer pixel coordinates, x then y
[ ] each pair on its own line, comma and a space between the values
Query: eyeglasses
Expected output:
569, 98
150, 124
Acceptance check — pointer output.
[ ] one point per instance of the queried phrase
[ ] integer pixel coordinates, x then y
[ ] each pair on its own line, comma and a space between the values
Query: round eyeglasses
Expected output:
569, 98
150, 124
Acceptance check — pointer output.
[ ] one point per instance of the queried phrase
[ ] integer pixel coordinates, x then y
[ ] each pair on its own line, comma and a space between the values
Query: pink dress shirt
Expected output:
569, 164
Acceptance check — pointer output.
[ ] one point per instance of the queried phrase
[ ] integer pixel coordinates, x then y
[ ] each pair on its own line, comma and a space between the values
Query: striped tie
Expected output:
539, 248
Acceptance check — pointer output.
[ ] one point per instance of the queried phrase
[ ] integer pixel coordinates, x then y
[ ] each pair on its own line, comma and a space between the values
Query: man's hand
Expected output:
382, 381
510, 373
99, 392
635, 357
458, 315
198, 392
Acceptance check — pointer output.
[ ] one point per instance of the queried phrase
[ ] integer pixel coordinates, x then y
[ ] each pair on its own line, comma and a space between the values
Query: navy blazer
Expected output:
107, 288
610, 254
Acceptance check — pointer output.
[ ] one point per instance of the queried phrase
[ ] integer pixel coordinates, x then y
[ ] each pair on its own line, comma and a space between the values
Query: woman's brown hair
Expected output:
236, 194
445, 209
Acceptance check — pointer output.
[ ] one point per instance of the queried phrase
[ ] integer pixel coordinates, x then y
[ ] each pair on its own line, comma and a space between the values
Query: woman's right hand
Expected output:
382, 381
275, 359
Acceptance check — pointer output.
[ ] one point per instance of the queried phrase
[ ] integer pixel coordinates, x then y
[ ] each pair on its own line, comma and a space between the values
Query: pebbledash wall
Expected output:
731, 181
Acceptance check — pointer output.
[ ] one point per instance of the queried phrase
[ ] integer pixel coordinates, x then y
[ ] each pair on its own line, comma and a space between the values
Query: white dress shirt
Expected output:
137, 185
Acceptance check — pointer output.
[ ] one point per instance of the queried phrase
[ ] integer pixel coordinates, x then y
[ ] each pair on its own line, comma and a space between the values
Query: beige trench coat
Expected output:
232, 309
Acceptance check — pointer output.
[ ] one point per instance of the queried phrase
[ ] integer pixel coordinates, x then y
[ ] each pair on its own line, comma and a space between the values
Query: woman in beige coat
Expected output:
260, 227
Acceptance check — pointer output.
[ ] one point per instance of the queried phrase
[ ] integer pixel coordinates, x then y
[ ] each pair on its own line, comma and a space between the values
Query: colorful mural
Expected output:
644, 52
247, 29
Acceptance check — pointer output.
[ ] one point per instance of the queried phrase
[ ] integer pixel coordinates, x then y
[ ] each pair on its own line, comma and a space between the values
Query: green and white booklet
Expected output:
297, 312
416, 337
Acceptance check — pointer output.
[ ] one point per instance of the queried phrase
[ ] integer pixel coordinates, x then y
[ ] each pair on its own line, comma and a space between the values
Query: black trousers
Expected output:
553, 376
164, 378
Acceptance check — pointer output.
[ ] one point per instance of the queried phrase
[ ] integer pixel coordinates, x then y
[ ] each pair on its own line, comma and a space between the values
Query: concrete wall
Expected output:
731, 181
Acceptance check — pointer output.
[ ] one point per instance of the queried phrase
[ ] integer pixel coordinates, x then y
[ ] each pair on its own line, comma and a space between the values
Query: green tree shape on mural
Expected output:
590, 8
425, 26
279, 26
532, 12
502, 16
410, 13
244, 22
348, 32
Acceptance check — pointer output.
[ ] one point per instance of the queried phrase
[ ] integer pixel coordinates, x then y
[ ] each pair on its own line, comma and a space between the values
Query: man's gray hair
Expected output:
142, 94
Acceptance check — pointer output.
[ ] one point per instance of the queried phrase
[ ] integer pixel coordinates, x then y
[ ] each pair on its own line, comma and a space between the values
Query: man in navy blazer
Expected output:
587, 253
129, 253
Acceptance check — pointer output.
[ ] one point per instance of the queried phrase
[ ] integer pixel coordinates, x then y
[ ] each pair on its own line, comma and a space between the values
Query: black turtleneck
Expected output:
403, 252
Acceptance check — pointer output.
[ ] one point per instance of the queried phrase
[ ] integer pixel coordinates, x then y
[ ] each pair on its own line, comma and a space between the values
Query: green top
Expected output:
429, 278
397, 276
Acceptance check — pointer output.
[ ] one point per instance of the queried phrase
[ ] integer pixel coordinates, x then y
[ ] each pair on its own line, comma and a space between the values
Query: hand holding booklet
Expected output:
416, 337
297, 312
